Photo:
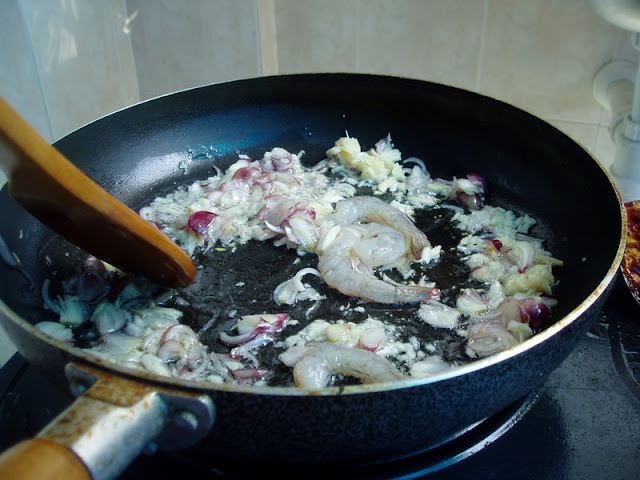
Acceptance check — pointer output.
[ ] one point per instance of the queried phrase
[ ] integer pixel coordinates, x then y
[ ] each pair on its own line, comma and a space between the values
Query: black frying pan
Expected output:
531, 167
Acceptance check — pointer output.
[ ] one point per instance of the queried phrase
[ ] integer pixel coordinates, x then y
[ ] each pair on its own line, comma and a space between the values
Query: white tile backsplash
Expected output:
542, 56
20, 83
316, 36
437, 41
84, 59
68, 62
179, 45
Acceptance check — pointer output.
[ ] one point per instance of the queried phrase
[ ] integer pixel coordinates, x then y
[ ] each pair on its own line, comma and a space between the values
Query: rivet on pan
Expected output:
184, 419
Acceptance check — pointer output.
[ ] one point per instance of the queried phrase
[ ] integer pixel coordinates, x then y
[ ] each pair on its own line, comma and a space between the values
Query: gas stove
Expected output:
584, 422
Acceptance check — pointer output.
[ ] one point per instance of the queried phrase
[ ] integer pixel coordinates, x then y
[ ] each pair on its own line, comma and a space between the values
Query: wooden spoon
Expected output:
56, 192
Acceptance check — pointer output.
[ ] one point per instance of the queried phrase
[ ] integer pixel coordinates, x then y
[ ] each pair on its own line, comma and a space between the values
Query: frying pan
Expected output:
148, 149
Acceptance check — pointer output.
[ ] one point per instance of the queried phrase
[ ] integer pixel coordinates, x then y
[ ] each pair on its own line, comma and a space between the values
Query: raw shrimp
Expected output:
314, 365
348, 255
371, 209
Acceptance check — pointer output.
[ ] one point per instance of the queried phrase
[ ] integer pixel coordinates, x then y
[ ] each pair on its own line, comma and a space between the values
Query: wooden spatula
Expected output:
56, 192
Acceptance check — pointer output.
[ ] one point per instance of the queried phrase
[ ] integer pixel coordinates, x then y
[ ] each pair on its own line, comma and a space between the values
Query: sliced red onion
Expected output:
371, 339
196, 354
286, 178
235, 186
199, 222
151, 341
487, 338
136, 327
245, 351
109, 319
431, 365
275, 228
277, 320
292, 290
537, 312
244, 374
268, 323
56, 330
522, 255
472, 202
470, 302
218, 365
182, 333
247, 174
91, 286
278, 160
171, 351
438, 314
278, 211
244, 338
93, 263
383, 144
497, 244
73, 311
119, 343
478, 180
265, 183
417, 161
511, 309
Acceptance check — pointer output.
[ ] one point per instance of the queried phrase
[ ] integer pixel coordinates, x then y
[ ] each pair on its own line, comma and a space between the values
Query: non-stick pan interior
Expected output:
150, 148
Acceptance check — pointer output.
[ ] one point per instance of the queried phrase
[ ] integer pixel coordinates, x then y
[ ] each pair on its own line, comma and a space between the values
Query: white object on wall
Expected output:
617, 88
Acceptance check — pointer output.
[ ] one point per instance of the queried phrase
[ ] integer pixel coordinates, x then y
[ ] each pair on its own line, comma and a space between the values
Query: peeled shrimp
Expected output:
314, 365
372, 209
349, 254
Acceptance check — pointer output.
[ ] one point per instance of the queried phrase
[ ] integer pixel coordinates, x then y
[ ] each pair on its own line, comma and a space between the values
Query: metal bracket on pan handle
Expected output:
116, 418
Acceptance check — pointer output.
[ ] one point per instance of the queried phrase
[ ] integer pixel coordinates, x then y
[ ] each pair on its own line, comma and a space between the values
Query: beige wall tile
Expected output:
542, 56
180, 45
267, 45
316, 36
19, 79
84, 59
19, 85
433, 40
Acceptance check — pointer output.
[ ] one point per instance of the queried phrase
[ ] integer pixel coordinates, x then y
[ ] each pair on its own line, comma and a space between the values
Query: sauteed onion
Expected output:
355, 210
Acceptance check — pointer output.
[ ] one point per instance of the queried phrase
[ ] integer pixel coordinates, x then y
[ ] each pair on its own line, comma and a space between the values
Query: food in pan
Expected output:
374, 270
631, 259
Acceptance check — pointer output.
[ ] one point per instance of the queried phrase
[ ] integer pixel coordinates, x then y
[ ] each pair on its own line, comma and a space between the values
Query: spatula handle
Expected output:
60, 195
41, 459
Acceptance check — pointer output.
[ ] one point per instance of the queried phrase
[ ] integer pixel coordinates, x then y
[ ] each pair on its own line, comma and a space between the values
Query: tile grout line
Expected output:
357, 39
267, 37
34, 58
481, 47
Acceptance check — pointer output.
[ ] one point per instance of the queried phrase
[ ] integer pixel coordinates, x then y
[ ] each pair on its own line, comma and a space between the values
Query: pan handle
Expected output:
107, 427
